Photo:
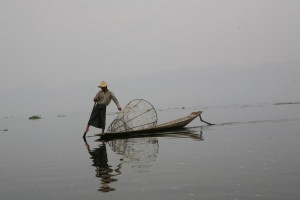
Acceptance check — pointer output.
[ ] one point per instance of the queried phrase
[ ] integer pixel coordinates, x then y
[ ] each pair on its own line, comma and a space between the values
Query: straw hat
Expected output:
103, 84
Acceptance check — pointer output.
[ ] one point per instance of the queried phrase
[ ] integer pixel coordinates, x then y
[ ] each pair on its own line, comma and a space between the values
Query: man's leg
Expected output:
86, 130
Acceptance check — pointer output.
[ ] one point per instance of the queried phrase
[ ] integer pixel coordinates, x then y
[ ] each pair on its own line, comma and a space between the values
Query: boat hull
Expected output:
159, 129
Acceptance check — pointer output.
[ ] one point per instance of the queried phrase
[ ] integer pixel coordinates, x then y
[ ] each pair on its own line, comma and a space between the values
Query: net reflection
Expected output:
139, 152
103, 170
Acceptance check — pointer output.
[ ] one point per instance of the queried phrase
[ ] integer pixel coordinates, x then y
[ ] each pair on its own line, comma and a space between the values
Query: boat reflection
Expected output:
193, 133
138, 153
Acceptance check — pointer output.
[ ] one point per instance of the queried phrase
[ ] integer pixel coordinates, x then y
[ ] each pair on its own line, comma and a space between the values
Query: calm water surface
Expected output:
252, 153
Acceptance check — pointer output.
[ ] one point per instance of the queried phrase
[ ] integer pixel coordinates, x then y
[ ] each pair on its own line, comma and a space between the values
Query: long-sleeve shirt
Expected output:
106, 97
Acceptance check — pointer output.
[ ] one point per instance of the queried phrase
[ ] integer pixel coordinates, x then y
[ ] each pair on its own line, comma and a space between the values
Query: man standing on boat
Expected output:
102, 99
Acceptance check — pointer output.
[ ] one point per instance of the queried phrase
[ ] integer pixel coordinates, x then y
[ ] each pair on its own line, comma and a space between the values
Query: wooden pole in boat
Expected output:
210, 124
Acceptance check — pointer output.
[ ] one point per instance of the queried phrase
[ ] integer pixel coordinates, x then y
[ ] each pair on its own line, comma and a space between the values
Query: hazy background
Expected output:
53, 53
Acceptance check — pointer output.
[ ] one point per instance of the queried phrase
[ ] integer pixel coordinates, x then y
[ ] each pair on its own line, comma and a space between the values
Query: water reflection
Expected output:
139, 153
104, 171
189, 133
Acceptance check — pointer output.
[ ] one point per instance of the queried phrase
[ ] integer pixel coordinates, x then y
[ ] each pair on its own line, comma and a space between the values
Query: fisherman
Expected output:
98, 115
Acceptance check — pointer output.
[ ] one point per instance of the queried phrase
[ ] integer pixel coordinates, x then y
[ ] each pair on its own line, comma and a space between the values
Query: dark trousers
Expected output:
98, 116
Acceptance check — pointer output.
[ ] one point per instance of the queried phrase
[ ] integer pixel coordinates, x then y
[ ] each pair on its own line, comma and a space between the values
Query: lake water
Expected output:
251, 153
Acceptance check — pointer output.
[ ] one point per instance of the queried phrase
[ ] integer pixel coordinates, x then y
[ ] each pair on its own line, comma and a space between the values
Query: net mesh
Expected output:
136, 149
138, 114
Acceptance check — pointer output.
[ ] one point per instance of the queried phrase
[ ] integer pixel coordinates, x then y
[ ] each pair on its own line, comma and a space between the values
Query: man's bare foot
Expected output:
102, 132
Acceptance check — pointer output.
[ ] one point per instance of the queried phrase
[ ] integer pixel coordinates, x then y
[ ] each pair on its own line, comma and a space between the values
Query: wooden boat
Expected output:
171, 125
192, 132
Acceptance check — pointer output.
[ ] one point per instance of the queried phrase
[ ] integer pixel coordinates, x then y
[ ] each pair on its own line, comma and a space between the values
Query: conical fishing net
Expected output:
138, 114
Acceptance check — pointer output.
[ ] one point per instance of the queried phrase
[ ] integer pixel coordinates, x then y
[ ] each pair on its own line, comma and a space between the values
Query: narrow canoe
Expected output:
171, 125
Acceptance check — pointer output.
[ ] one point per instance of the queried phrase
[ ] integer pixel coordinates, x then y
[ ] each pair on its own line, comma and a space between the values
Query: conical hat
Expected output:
103, 84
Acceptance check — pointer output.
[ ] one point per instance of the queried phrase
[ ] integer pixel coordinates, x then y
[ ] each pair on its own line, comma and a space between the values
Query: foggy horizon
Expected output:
54, 53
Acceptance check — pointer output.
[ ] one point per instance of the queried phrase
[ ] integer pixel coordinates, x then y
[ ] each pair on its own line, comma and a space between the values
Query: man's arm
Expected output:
114, 98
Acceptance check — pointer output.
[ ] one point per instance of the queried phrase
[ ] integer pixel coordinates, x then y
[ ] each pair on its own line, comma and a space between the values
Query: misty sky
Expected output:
58, 44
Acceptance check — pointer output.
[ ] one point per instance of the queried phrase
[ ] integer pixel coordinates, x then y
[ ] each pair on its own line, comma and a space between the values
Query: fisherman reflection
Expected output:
103, 170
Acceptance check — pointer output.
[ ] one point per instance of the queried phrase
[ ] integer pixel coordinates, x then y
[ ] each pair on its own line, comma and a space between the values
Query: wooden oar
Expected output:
210, 124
